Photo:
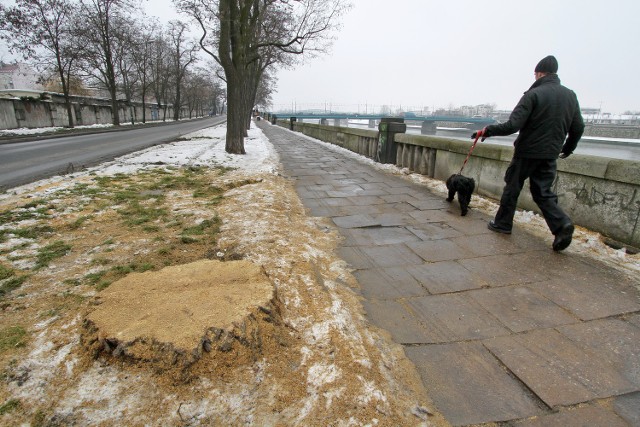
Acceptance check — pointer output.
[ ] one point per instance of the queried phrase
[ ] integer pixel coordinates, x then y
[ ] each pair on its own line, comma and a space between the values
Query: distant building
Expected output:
483, 110
612, 119
19, 76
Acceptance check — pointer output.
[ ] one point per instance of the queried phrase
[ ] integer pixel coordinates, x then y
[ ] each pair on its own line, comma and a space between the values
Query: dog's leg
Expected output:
451, 194
464, 200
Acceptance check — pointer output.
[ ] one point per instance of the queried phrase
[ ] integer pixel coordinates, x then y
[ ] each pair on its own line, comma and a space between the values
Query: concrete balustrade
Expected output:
600, 194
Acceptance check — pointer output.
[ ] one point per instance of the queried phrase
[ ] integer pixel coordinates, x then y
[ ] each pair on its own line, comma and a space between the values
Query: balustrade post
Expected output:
387, 130
428, 128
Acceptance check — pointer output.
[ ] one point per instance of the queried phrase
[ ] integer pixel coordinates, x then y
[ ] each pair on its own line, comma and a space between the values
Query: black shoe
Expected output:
563, 237
493, 227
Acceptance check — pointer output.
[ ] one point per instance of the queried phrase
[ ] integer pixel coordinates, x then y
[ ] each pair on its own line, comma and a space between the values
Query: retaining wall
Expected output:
598, 193
35, 113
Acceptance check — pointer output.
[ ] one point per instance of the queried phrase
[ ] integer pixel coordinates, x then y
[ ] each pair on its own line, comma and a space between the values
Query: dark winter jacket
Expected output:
545, 115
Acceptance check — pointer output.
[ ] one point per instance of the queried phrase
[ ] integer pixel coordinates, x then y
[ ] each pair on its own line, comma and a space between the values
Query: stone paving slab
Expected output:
520, 309
394, 197
432, 215
586, 416
628, 408
359, 210
634, 320
589, 298
366, 200
389, 283
610, 339
362, 257
336, 201
439, 250
486, 244
504, 270
455, 317
396, 319
431, 204
469, 225
311, 194
468, 385
445, 277
558, 370
434, 231
393, 219
355, 221
377, 236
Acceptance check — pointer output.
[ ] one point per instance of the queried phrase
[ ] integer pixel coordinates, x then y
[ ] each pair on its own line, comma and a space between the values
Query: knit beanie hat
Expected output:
547, 64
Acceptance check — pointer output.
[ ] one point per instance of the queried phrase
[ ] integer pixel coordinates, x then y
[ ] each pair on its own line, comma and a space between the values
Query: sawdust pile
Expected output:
172, 316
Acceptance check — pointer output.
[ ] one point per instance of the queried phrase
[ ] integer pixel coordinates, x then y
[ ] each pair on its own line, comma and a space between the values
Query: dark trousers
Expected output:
541, 174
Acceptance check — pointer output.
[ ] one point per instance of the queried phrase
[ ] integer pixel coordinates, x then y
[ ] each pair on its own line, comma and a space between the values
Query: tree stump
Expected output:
170, 319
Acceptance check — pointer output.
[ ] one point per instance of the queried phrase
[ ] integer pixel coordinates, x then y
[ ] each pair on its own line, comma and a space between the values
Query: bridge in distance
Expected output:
428, 122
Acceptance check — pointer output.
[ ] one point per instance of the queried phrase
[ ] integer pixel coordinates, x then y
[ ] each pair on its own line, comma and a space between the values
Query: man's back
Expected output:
554, 112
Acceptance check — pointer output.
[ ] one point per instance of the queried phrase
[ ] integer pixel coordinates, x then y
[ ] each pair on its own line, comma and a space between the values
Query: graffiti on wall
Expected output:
594, 197
625, 203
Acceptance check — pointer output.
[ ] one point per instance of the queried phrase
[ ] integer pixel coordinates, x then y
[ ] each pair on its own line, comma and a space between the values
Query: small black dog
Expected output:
464, 187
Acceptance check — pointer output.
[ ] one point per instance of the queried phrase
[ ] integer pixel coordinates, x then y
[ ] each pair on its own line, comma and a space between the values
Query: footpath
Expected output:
501, 328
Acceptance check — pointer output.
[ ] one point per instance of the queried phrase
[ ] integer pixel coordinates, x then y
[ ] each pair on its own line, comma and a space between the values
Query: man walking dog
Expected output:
547, 114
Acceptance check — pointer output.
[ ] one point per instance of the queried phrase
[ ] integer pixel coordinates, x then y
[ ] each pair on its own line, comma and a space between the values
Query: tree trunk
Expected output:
235, 120
114, 107
144, 108
176, 104
65, 91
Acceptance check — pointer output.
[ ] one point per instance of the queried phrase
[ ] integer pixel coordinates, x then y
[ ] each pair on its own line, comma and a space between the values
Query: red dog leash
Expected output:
469, 155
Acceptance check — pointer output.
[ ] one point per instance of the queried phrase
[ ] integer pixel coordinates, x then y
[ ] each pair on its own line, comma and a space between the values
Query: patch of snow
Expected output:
36, 131
99, 384
41, 365
320, 374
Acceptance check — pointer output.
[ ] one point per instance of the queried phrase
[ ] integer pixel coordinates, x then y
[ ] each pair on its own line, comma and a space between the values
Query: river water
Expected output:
614, 148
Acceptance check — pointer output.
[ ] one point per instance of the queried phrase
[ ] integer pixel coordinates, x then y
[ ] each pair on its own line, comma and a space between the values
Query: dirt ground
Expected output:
82, 259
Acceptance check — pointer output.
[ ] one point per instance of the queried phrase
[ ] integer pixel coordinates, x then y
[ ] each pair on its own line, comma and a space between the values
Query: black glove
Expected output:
480, 134
563, 155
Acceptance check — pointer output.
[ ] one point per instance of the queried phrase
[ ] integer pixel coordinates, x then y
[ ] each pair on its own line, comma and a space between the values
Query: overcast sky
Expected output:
421, 53
468, 52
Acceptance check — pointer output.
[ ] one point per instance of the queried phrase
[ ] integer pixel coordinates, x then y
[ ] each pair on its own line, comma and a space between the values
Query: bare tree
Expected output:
142, 60
127, 76
202, 92
101, 25
266, 87
161, 72
44, 24
246, 37
183, 55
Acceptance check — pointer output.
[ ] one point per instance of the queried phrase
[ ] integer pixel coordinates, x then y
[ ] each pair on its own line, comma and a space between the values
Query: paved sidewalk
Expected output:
500, 327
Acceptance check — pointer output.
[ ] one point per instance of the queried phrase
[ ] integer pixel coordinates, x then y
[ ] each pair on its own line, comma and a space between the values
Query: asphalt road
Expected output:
28, 161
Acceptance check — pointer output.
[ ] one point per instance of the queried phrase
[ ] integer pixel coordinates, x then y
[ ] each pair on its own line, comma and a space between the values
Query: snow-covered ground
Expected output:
38, 131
